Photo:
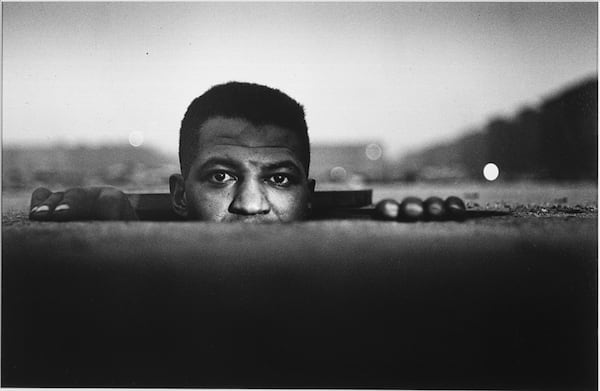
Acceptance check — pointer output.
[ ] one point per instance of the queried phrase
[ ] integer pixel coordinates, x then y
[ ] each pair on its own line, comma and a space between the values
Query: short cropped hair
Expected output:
255, 103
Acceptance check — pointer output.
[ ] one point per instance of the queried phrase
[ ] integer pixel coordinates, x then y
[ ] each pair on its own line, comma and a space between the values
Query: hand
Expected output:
90, 203
414, 209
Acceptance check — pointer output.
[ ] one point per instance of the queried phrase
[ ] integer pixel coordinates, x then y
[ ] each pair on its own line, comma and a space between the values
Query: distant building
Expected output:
557, 141
345, 163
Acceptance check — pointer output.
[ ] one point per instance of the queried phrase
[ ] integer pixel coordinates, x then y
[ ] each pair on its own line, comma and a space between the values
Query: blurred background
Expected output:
396, 94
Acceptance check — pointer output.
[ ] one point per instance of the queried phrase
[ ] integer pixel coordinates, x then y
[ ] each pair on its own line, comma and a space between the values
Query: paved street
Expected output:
498, 302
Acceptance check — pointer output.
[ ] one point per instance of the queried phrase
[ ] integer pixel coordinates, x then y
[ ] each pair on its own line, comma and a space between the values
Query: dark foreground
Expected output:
500, 302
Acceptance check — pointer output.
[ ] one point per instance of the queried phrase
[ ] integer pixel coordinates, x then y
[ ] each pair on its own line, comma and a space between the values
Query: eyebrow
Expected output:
219, 161
289, 164
216, 161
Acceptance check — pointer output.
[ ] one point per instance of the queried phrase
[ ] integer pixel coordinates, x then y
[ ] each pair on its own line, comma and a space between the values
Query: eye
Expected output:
280, 180
221, 177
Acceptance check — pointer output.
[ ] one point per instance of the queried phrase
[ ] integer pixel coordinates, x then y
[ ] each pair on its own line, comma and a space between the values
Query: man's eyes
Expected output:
224, 177
281, 180
221, 177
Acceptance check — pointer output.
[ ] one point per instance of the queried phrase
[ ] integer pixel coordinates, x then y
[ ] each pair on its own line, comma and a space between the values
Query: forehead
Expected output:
232, 136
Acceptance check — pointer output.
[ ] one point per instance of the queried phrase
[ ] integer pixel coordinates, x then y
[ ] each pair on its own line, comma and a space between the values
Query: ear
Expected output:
311, 185
311, 189
178, 198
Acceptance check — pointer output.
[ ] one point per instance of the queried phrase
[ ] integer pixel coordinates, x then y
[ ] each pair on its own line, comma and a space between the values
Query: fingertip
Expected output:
434, 208
40, 212
456, 208
62, 207
63, 212
387, 209
42, 209
411, 209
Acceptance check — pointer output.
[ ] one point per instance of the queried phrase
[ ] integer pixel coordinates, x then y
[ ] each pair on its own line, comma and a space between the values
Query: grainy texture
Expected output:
497, 302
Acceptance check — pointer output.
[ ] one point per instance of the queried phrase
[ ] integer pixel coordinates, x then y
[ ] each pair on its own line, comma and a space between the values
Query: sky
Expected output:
403, 75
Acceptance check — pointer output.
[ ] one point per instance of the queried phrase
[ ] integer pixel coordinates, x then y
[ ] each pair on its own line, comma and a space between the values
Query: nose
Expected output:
249, 199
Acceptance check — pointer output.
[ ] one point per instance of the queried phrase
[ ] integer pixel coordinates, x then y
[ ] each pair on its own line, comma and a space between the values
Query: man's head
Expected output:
244, 155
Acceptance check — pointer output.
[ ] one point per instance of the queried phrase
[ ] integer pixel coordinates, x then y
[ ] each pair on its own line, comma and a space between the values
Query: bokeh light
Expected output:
491, 172
338, 174
136, 138
373, 152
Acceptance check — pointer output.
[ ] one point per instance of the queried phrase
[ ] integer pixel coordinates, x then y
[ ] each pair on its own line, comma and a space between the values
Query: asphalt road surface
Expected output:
498, 302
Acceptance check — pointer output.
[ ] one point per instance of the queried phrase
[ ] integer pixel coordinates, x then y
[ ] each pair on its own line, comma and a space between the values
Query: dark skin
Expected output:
91, 203
244, 172
241, 172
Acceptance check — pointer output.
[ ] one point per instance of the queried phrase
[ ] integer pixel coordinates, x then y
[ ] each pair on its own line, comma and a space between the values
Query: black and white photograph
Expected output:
299, 195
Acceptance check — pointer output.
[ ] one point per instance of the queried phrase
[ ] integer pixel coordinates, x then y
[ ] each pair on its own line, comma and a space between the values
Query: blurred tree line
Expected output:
556, 141
24, 168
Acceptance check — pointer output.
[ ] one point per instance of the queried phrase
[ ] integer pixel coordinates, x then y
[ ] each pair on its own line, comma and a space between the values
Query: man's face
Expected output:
247, 173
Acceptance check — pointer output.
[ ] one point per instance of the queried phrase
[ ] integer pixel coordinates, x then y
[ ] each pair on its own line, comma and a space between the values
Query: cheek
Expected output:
290, 206
207, 205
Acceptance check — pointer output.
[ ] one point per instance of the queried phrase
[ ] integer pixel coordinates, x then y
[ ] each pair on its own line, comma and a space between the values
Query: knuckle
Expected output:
41, 190
54, 197
111, 193
75, 191
40, 194
76, 196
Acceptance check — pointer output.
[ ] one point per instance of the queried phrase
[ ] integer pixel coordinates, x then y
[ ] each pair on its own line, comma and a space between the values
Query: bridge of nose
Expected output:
250, 198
